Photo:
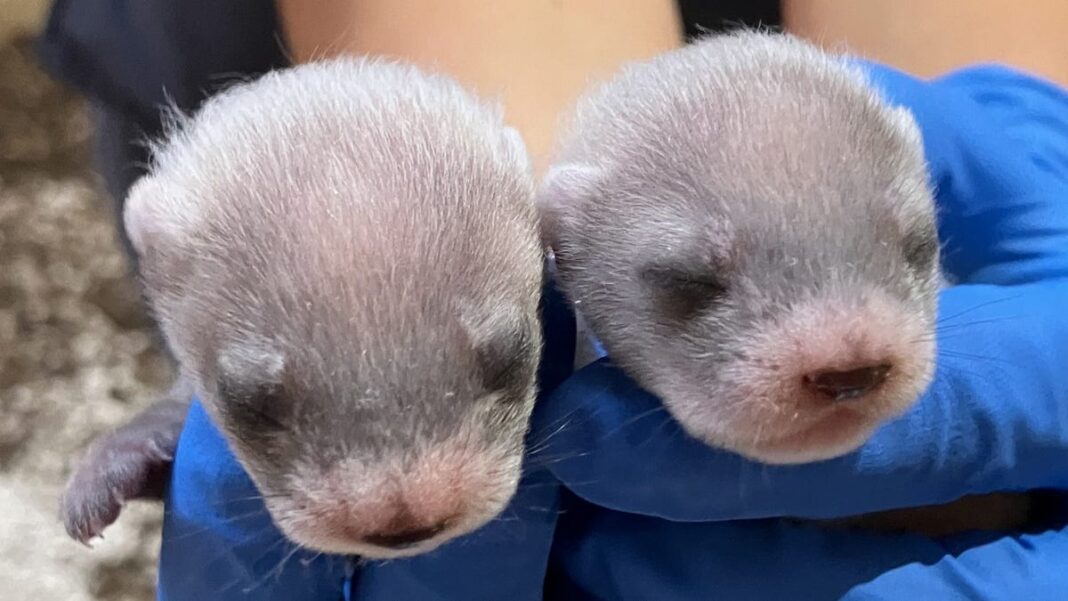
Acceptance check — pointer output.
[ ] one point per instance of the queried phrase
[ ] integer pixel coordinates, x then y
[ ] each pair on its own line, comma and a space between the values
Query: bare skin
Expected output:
536, 56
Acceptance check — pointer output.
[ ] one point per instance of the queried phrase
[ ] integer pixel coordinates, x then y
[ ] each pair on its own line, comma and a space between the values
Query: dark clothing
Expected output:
131, 57
135, 55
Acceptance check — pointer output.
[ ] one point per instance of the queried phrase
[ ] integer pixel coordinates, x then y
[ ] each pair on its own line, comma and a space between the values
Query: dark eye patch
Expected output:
505, 356
684, 291
920, 249
259, 406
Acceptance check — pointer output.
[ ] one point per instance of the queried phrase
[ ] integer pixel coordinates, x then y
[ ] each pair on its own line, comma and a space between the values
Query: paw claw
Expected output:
117, 468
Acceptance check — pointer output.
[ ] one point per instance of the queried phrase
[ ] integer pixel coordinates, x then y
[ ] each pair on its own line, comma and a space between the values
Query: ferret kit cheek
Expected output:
344, 257
747, 227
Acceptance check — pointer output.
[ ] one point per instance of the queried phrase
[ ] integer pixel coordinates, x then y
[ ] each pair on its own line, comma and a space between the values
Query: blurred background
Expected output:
76, 352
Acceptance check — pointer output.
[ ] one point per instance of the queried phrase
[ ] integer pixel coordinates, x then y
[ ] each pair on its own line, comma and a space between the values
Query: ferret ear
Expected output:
906, 123
255, 359
144, 216
563, 190
516, 145
505, 343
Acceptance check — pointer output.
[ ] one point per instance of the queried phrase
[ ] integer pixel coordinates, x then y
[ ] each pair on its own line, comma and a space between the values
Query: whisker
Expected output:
955, 367
544, 443
544, 462
307, 561
635, 419
276, 572
271, 547
658, 431
229, 585
958, 354
225, 502
229, 520
977, 307
957, 326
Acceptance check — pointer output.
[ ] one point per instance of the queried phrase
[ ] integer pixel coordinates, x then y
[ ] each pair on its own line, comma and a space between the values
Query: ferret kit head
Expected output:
747, 226
344, 257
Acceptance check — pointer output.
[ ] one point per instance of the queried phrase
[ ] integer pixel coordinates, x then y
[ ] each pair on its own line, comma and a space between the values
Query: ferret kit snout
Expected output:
747, 227
344, 258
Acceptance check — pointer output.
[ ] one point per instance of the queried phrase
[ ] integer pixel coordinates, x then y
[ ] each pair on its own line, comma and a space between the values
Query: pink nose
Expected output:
838, 386
395, 507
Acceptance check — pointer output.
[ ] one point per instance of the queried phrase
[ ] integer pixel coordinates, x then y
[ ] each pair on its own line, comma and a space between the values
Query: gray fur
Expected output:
344, 258
756, 163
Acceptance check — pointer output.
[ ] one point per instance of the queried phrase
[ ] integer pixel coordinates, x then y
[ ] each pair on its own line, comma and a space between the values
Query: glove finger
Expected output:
1002, 215
1031, 566
602, 554
1029, 110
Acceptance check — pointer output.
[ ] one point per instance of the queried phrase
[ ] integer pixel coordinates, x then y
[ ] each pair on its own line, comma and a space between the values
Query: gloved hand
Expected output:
602, 554
995, 418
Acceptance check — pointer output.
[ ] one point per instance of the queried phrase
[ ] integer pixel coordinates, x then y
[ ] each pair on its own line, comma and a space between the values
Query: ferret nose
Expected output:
841, 386
405, 535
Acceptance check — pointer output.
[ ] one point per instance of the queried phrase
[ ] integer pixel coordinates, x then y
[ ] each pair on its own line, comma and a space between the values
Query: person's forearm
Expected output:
536, 55
929, 38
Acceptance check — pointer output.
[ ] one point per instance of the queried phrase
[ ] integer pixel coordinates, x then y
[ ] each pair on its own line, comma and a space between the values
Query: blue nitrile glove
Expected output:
995, 418
604, 555
220, 545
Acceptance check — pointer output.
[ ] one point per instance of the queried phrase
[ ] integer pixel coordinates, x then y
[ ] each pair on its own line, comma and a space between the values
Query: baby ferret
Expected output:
344, 259
747, 227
